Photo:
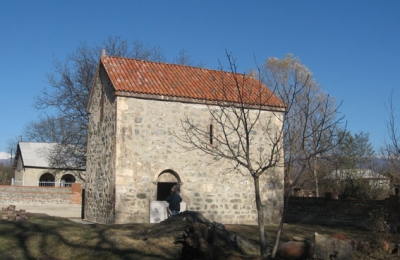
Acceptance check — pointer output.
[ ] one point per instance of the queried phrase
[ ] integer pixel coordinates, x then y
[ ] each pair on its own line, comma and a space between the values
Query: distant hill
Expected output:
5, 158
5, 162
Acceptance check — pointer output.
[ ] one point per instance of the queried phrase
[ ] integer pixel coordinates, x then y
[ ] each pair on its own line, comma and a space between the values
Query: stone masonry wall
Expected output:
356, 213
40, 195
100, 172
145, 149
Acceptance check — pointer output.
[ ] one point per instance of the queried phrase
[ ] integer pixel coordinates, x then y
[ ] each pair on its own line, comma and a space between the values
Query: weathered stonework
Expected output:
54, 201
131, 150
24, 195
100, 183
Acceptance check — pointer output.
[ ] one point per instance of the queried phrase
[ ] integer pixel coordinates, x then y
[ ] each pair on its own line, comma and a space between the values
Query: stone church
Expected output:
133, 159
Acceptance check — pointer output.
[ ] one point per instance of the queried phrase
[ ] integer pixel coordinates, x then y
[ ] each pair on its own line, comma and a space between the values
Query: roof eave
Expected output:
192, 100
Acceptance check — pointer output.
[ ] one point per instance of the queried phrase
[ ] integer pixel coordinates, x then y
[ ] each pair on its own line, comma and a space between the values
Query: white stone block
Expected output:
158, 210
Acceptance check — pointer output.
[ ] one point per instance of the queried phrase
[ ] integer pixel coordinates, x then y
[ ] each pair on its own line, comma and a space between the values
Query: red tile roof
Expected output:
171, 80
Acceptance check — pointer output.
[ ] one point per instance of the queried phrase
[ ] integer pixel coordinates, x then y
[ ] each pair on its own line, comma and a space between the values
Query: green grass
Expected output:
44, 237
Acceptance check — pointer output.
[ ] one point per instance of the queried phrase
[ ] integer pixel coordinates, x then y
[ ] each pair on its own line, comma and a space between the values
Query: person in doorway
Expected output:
174, 201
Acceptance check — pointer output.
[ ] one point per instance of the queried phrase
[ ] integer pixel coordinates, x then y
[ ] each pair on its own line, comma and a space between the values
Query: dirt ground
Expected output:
43, 237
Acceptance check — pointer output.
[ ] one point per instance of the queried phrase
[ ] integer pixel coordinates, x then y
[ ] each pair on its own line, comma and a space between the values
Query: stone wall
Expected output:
146, 150
40, 195
54, 201
394, 210
100, 159
356, 213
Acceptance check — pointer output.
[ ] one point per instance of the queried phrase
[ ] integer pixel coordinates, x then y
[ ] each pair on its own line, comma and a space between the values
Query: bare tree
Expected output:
63, 104
233, 140
12, 144
67, 100
183, 58
142, 51
308, 108
50, 129
310, 123
391, 149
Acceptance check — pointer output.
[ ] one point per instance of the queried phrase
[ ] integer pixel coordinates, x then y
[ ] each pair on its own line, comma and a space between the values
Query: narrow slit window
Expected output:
211, 134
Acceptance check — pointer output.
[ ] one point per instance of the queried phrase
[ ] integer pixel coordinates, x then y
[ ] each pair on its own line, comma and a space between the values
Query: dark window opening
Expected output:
46, 179
67, 179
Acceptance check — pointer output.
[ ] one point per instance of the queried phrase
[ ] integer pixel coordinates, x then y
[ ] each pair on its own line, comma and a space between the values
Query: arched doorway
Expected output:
165, 181
67, 179
47, 179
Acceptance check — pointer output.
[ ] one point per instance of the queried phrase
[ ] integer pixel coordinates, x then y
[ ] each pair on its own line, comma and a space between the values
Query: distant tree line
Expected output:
6, 174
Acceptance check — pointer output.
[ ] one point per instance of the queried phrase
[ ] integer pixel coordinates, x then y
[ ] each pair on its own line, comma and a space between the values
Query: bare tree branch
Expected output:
64, 101
310, 121
233, 130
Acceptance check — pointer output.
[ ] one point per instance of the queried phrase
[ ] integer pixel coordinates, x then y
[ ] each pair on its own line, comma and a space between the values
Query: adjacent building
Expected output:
33, 167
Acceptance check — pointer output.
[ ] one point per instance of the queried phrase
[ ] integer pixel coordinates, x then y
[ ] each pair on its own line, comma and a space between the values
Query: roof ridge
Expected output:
178, 65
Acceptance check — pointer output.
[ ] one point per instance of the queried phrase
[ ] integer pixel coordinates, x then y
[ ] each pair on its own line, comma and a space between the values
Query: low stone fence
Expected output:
356, 213
54, 201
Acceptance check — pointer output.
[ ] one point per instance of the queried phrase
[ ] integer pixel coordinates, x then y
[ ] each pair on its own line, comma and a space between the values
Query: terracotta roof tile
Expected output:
154, 78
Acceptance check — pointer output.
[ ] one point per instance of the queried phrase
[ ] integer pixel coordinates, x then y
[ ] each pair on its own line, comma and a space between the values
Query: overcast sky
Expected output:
352, 47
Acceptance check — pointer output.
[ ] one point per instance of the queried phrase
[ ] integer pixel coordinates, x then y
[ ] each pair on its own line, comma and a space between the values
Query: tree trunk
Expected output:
315, 177
278, 234
260, 211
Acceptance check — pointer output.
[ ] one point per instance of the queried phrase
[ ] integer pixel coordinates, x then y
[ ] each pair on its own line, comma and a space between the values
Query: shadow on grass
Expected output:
44, 237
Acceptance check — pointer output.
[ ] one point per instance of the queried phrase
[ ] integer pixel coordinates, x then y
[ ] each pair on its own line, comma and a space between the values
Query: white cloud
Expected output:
4, 155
